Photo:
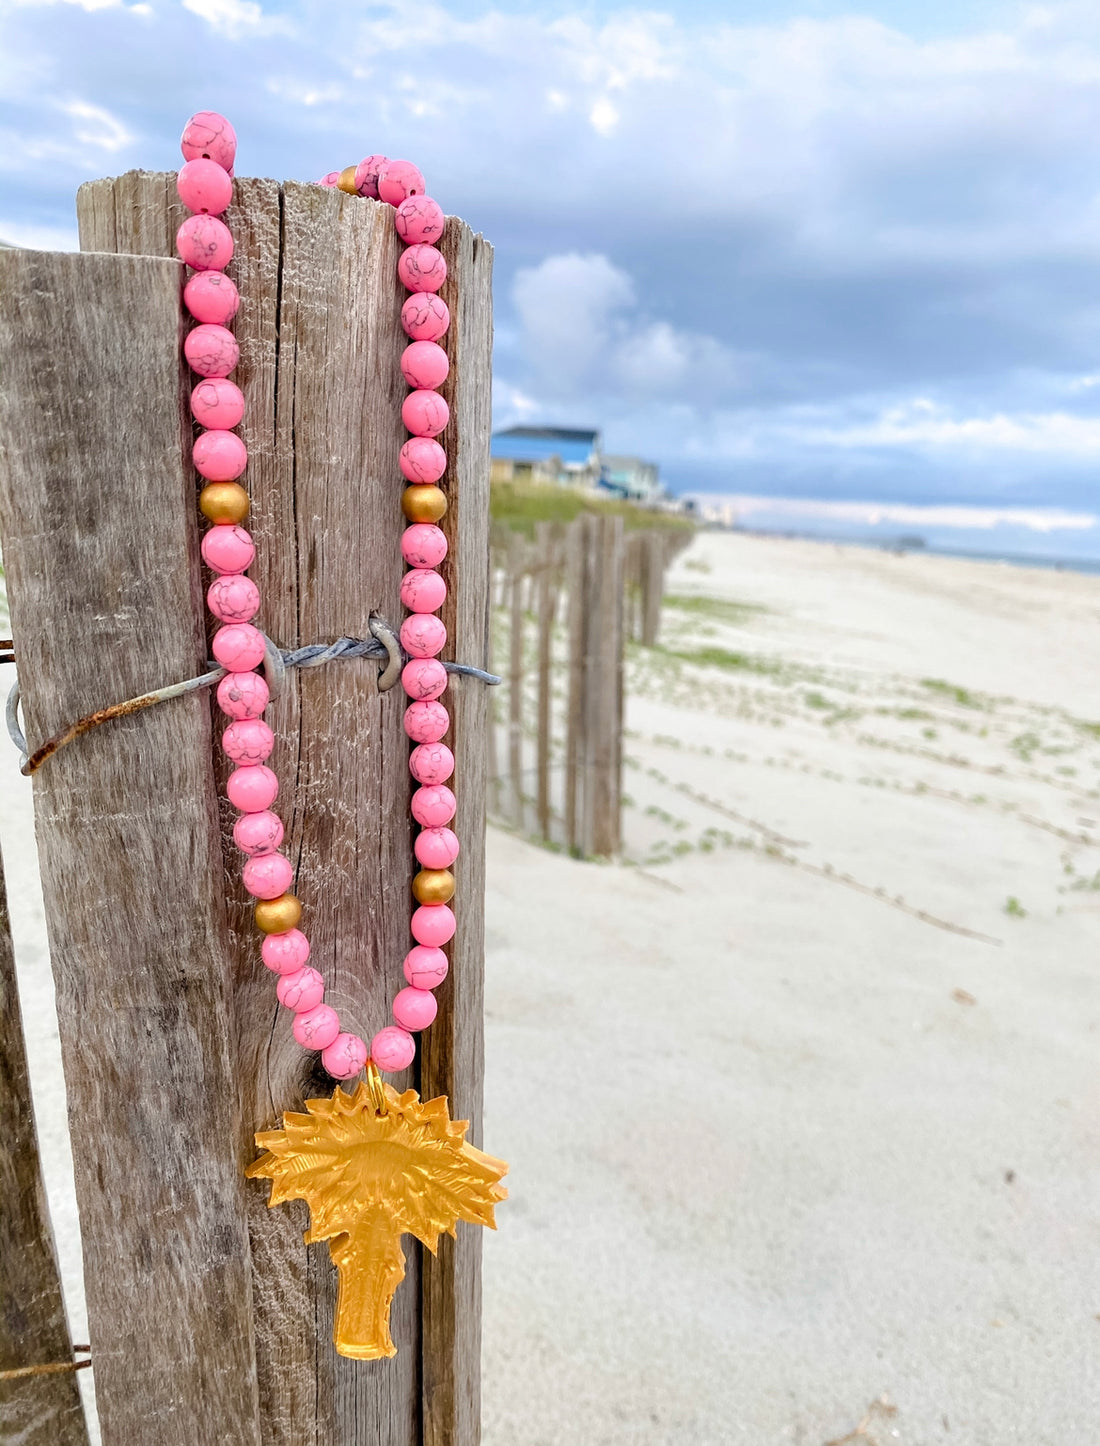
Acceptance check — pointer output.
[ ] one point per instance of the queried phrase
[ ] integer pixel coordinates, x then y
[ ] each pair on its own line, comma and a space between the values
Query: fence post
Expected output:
42, 1410
546, 564
516, 559
211, 1320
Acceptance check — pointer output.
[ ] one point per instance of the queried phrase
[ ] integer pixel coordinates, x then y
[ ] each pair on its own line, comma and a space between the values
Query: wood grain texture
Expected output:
452, 1050
517, 626
39, 1410
99, 538
320, 345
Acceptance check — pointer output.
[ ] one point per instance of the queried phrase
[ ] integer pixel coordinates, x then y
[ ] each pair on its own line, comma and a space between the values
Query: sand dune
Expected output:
803, 1101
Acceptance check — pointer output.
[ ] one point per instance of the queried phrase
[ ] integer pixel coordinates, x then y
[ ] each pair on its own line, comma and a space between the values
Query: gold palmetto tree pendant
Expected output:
372, 1166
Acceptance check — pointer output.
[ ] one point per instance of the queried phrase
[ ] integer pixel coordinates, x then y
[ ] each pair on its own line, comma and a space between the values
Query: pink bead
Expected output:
204, 186
227, 548
393, 1049
268, 875
423, 544
424, 364
285, 953
418, 219
239, 647
431, 763
423, 635
242, 695
436, 848
414, 1009
425, 968
398, 179
425, 413
432, 807
422, 268
205, 243
431, 924
258, 833
252, 789
210, 136
426, 721
219, 456
423, 590
366, 175
330, 180
210, 296
212, 351
424, 678
233, 598
345, 1056
248, 740
422, 460
301, 991
317, 1027
425, 316
216, 402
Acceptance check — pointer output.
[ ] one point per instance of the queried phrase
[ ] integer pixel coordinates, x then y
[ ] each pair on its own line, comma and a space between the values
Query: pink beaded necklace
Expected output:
375, 1114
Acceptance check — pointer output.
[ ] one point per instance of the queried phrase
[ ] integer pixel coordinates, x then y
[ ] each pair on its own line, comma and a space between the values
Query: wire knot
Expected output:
382, 645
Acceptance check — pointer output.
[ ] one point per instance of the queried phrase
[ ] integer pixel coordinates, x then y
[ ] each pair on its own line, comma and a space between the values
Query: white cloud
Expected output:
923, 425
89, 5
778, 510
235, 18
604, 116
581, 332
96, 126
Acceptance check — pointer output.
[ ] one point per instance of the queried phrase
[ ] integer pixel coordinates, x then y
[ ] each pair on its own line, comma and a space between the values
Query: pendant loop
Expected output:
374, 1086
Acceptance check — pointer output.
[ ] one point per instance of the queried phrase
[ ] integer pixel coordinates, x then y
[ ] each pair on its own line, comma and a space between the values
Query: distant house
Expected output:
631, 477
568, 456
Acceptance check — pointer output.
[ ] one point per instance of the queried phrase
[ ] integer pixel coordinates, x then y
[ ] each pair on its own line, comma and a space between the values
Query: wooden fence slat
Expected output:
547, 601
36, 1410
604, 663
515, 678
574, 718
614, 583
99, 539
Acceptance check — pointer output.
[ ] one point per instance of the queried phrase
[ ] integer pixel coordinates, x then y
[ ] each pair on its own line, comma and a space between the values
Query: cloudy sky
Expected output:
818, 250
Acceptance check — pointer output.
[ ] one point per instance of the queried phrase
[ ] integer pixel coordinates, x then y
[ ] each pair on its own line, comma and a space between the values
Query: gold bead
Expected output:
423, 502
224, 502
276, 916
347, 181
434, 886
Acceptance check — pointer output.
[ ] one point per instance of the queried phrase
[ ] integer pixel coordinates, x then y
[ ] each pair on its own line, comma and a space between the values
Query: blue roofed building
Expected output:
568, 456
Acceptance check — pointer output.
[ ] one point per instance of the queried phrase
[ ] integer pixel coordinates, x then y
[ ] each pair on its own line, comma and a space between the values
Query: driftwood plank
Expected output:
320, 343
36, 1410
99, 542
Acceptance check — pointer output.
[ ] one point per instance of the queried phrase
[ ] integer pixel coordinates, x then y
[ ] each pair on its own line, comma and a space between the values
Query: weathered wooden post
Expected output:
210, 1320
593, 769
517, 557
548, 548
39, 1399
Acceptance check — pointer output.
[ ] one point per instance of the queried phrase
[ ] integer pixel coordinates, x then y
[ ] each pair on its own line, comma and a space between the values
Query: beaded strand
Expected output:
425, 319
205, 244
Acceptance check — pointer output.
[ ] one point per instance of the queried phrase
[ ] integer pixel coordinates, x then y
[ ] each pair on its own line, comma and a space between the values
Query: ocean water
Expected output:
935, 549
1023, 537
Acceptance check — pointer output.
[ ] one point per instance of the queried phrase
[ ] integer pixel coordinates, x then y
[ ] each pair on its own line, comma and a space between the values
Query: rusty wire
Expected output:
382, 645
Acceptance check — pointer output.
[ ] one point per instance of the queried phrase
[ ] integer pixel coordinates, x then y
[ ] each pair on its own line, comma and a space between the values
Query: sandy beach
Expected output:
802, 1097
